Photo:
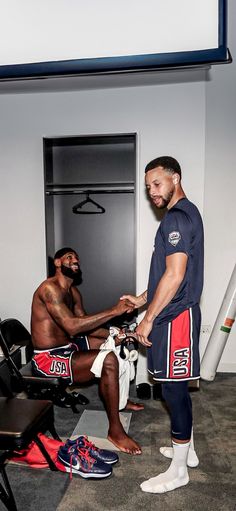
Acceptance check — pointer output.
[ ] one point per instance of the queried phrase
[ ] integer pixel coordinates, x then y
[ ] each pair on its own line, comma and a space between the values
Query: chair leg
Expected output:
51, 463
53, 432
6, 494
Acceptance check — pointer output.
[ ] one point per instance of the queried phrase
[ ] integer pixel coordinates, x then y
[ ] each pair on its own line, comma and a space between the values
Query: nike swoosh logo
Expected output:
77, 465
156, 372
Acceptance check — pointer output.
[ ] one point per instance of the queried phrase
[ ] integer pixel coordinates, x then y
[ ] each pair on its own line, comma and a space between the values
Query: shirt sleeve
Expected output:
177, 232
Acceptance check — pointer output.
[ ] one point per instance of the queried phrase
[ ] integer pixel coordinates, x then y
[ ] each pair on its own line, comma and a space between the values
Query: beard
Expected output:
165, 200
75, 276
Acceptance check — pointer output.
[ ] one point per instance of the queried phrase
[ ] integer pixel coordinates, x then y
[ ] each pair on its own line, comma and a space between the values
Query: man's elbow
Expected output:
176, 279
71, 329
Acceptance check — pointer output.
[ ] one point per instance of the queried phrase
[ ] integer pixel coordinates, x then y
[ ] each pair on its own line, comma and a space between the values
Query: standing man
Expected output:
57, 316
171, 326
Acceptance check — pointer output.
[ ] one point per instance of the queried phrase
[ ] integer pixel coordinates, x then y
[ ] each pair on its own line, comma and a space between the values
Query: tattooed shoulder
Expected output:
52, 295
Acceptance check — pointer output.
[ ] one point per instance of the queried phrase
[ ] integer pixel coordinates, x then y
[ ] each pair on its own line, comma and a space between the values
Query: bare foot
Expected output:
125, 444
134, 406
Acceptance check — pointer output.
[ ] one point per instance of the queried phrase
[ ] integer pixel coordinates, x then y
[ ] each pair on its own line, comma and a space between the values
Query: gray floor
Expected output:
212, 485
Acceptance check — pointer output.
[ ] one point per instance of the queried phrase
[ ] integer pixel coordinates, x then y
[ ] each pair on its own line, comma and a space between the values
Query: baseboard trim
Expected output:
226, 368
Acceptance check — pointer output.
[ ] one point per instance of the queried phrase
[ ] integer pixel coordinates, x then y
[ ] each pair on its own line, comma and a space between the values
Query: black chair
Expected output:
13, 332
12, 328
20, 422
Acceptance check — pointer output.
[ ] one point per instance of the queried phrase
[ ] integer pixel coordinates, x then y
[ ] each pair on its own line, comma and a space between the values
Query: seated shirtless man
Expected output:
58, 315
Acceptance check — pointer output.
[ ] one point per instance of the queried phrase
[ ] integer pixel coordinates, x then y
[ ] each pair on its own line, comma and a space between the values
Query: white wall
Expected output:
220, 187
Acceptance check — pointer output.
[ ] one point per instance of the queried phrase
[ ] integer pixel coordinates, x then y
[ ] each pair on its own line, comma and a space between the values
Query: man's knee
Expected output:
110, 362
174, 392
178, 400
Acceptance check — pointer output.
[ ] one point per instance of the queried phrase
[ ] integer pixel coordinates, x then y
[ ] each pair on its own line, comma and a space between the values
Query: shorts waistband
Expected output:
52, 349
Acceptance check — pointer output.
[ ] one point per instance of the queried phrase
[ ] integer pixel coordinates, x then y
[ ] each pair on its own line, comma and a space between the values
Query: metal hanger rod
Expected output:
112, 184
89, 188
90, 191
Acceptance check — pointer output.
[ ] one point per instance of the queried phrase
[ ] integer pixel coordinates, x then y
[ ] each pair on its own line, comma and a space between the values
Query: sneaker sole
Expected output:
85, 475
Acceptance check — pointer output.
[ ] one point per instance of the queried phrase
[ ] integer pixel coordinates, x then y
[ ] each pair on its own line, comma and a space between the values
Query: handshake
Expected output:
128, 343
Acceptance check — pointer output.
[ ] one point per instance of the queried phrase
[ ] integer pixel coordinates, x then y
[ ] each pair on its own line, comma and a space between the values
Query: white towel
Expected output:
126, 369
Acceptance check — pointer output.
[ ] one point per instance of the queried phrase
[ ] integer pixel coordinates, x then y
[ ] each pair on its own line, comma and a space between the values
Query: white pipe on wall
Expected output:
220, 332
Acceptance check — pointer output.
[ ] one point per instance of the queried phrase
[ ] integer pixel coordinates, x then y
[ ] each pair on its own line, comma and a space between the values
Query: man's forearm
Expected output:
74, 325
143, 298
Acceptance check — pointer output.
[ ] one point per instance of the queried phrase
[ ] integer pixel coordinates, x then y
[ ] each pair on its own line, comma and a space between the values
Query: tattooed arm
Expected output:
55, 302
78, 309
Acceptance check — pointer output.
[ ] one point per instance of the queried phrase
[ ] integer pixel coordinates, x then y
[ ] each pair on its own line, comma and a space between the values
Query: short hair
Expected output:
62, 251
168, 163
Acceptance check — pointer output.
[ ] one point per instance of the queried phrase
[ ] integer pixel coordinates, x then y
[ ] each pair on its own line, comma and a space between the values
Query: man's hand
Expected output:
137, 301
120, 337
123, 306
142, 332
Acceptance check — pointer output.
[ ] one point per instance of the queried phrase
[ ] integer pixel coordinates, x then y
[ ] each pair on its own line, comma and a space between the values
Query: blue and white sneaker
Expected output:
78, 461
103, 455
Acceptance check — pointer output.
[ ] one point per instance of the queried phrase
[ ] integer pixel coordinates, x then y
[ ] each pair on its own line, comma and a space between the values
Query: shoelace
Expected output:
87, 444
84, 455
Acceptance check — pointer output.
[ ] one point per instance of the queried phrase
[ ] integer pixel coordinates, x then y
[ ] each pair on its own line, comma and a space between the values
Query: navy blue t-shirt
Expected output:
181, 230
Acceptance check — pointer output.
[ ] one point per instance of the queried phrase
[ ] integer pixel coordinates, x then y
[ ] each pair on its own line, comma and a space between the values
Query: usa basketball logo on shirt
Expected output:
174, 238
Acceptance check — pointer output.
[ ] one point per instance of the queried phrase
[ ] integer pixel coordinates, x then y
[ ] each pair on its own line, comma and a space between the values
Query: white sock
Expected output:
174, 477
192, 460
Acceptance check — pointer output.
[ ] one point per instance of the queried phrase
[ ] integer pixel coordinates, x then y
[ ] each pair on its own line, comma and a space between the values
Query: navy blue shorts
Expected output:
174, 354
81, 342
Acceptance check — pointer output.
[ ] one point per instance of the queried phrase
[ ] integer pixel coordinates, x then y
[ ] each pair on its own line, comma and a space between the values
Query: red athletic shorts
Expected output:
174, 354
56, 362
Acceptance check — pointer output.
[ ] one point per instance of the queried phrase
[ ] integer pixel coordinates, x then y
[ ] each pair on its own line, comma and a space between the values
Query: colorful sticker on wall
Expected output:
228, 323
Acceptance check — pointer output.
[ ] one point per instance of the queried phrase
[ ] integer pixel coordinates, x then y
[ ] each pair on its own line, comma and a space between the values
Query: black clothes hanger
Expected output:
77, 209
